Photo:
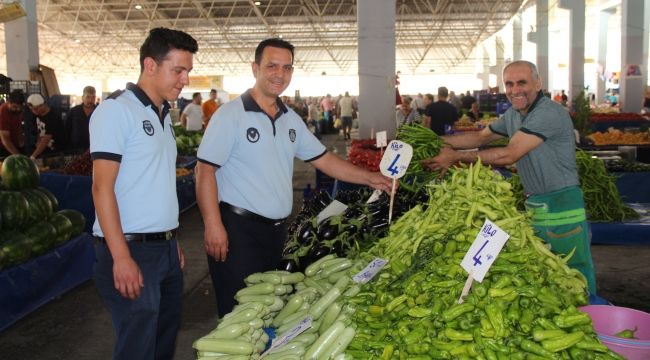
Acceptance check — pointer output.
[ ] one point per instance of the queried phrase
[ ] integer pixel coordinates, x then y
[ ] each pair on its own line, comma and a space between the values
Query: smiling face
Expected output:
273, 73
170, 75
521, 87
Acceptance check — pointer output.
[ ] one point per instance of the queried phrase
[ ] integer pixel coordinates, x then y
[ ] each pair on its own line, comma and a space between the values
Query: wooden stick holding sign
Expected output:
394, 164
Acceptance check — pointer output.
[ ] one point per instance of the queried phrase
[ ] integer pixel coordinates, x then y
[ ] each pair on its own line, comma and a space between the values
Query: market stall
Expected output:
75, 191
26, 287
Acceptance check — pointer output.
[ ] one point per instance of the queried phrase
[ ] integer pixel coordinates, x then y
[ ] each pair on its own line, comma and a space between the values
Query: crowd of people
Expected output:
29, 125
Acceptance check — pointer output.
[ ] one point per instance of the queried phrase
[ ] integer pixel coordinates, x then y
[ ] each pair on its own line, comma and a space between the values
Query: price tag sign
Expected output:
382, 139
289, 335
374, 196
396, 159
484, 250
334, 208
369, 271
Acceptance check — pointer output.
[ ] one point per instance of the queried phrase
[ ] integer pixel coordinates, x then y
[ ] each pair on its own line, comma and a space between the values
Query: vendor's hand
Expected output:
127, 278
380, 182
216, 242
181, 255
442, 162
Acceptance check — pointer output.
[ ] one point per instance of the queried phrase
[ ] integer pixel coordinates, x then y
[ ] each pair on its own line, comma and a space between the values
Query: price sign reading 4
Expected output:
484, 250
396, 159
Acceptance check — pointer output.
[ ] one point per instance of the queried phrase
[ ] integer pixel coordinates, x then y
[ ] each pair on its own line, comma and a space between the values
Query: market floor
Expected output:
77, 326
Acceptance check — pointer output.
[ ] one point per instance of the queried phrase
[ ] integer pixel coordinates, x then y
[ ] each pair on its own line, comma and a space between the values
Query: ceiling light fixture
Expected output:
138, 7
77, 40
258, 3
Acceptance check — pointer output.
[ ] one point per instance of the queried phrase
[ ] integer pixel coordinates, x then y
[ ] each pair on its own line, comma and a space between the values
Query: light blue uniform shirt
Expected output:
552, 165
254, 155
126, 128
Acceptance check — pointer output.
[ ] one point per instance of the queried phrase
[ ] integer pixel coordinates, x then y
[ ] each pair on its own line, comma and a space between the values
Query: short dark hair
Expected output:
428, 96
162, 40
89, 90
442, 91
195, 95
16, 97
272, 42
213, 91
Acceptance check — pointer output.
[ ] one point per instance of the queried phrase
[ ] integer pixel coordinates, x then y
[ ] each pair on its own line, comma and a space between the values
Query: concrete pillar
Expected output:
540, 38
516, 37
577, 47
376, 66
497, 69
603, 23
484, 75
21, 42
634, 46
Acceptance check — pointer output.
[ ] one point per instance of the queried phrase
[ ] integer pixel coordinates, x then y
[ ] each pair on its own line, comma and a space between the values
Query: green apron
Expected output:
559, 218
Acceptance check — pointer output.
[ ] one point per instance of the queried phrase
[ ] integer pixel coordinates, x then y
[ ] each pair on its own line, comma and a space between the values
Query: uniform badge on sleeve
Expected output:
292, 135
252, 135
147, 126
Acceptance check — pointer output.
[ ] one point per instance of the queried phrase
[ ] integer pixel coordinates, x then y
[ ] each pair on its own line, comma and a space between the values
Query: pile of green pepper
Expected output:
602, 200
426, 144
525, 308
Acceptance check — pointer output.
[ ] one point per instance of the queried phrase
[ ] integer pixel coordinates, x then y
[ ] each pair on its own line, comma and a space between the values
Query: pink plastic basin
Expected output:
609, 320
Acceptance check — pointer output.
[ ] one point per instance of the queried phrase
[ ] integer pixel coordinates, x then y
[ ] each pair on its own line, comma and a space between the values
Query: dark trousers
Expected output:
252, 247
145, 328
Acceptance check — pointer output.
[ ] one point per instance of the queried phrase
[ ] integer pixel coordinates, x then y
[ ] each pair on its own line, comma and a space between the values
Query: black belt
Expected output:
146, 237
250, 215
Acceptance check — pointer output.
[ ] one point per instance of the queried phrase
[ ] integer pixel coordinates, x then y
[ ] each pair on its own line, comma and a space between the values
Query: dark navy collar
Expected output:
251, 105
146, 101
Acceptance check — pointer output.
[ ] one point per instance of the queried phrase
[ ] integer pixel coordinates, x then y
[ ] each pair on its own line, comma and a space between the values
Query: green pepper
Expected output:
564, 342
527, 291
567, 321
396, 302
415, 336
592, 345
452, 334
534, 348
513, 315
443, 345
504, 280
546, 323
539, 334
419, 312
500, 292
456, 310
577, 354
627, 333
416, 349
480, 290
495, 315
526, 320
439, 354
387, 353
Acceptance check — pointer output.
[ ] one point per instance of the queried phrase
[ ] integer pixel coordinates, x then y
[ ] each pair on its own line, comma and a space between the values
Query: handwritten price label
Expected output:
484, 250
289, 335
370, 271
382, 139
396, 159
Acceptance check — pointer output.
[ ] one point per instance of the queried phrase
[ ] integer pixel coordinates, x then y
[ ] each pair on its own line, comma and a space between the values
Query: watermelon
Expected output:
77, 219
40, 206
14, 249
14, 209
53, 200
41, 237
63, 227
19, 172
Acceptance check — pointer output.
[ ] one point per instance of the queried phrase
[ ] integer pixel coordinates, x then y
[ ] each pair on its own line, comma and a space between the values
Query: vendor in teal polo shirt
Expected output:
542, 144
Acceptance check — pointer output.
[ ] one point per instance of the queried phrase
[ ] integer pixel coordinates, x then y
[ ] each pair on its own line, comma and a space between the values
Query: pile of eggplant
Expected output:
347, 234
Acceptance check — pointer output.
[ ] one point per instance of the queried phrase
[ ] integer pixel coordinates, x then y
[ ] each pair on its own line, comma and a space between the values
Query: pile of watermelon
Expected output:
30, 222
